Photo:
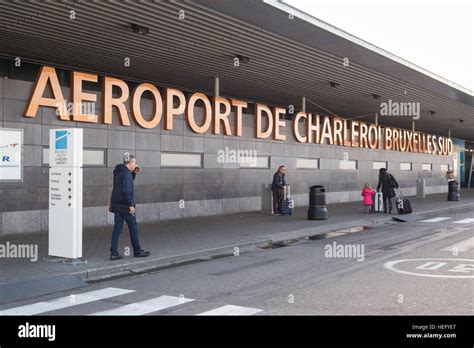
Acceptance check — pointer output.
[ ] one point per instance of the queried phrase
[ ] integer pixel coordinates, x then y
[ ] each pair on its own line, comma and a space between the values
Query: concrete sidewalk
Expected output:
194, 239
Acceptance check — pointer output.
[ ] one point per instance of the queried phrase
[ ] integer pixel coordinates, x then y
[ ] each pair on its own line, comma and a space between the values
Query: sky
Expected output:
437, 35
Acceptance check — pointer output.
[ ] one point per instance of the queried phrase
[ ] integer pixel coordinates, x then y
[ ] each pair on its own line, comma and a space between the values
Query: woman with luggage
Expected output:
387, 184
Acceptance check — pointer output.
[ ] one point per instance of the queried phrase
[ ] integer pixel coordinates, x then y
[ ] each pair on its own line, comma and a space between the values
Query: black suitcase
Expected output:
287, 206
403, 205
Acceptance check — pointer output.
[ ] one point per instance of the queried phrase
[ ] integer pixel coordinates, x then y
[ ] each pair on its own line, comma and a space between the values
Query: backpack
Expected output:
392, 182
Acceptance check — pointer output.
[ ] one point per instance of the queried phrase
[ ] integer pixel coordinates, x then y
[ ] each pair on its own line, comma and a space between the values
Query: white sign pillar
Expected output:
65, 193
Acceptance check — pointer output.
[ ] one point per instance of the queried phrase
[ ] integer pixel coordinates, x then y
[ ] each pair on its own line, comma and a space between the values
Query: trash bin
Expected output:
453, 191
317, 203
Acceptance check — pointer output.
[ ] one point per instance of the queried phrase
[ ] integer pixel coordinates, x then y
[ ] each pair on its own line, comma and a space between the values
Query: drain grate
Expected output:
279, 244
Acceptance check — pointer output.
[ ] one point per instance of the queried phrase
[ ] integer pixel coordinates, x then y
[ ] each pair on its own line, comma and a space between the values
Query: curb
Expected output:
124, 269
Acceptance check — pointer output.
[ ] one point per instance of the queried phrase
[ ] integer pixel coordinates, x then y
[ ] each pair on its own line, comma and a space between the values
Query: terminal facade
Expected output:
212, 104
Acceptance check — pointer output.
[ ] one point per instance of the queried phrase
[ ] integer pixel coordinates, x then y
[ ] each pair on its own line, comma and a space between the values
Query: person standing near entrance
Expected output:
450, 175
388, 184
122, 204
278, 184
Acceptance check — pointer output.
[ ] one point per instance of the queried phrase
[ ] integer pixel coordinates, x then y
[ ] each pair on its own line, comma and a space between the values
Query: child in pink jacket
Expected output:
367, 193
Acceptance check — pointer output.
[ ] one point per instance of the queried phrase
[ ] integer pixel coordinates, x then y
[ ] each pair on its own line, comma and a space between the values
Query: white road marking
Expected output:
437, 219
432, 265
461, 246
65, 302
232, 310
391, 265
145, 307
465, 221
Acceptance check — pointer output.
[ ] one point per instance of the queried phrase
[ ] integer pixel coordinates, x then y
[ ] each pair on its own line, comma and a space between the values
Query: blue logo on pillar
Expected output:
61, 140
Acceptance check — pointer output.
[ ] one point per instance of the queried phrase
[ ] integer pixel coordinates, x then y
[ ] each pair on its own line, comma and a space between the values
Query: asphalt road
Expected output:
366, 277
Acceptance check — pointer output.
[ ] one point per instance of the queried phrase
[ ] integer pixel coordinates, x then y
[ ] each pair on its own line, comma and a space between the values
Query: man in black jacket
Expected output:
278, 183
122, 204
388, 184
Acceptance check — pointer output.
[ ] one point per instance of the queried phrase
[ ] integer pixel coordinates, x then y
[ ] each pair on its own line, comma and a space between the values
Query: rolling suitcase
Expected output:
403, 205
378, 202
287, 203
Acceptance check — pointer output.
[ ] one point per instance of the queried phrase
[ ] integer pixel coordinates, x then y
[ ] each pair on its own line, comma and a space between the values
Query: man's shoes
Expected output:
142, 253
116, 257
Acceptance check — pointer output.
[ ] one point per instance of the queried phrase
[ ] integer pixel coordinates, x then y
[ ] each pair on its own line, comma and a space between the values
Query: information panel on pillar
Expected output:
11, 154
65, 193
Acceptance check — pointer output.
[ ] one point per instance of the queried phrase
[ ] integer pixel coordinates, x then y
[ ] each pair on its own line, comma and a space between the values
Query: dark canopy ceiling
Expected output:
288, 58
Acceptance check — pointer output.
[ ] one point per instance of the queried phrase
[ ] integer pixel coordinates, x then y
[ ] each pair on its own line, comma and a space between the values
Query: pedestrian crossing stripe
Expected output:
232, 310
465, 221
65, 302
436, 219
145, 307
137, 308
439, 219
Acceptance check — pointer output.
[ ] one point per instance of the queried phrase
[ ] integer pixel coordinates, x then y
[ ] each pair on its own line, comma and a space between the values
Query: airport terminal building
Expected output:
211, 97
